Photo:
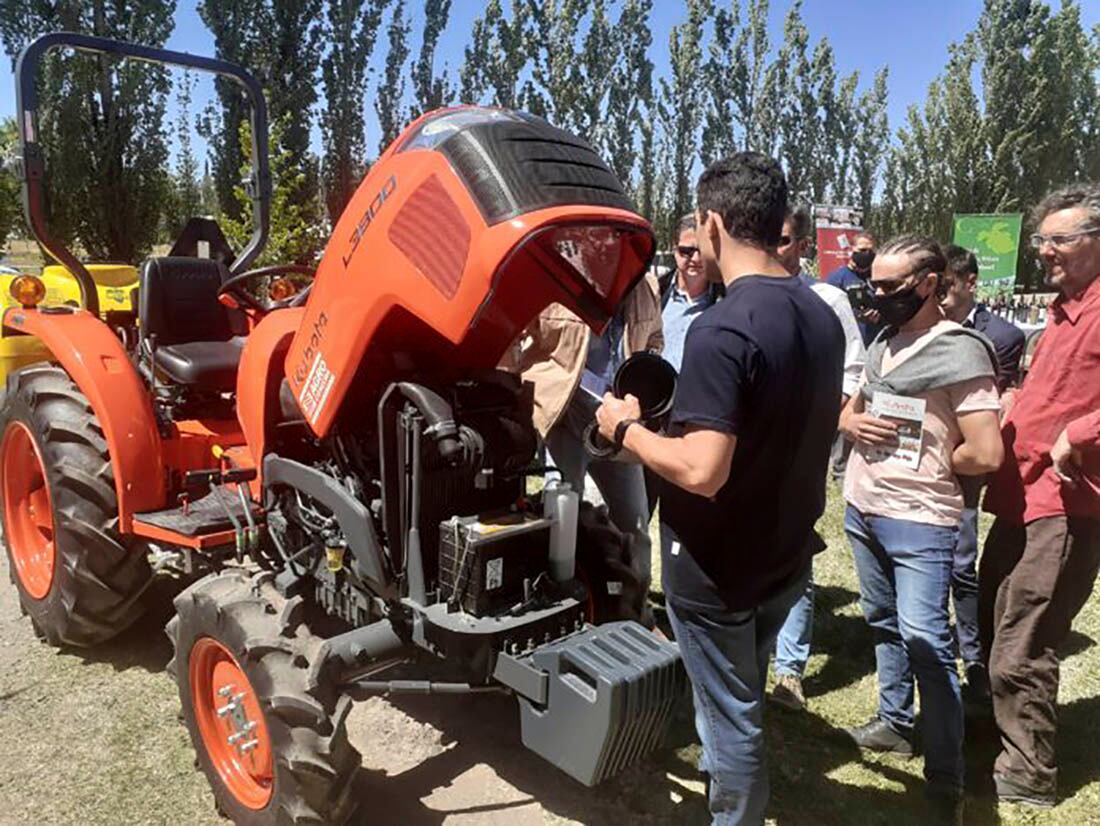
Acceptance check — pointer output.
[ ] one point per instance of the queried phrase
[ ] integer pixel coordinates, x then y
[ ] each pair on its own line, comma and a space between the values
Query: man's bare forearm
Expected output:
671, 458
968, 460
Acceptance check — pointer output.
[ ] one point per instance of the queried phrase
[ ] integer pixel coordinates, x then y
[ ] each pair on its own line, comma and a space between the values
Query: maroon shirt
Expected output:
1062, 391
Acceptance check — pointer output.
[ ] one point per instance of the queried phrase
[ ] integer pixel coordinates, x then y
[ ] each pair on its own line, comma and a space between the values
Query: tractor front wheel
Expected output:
77, 581
273, 747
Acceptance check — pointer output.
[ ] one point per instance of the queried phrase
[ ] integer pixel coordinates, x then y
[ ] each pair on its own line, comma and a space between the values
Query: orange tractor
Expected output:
343, 457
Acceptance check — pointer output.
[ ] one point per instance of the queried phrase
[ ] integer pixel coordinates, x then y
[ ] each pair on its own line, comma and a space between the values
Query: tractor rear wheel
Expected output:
77, 581
273, 747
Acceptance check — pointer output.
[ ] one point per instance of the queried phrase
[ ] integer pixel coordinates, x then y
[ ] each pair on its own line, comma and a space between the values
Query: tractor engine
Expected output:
466, 228
452, 456
396, 481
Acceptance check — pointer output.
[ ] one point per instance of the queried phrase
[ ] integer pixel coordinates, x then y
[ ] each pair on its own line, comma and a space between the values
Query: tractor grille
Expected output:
433, 235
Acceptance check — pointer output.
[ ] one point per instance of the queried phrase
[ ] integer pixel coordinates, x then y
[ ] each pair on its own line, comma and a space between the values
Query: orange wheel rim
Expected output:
231, 724
28, 511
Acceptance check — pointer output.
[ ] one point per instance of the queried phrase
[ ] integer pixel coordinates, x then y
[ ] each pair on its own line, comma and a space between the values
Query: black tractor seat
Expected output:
210, 364
198, 340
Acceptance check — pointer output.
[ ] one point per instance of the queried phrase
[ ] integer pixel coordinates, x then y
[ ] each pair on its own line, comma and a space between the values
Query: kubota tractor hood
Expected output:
470, 224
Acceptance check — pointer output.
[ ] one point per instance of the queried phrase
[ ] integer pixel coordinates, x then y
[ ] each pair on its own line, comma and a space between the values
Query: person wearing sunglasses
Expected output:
1043, 551
684, 297
688, 293
926, 413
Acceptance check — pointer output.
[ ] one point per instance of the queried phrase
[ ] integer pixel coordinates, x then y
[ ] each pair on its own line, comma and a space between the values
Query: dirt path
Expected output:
92, 738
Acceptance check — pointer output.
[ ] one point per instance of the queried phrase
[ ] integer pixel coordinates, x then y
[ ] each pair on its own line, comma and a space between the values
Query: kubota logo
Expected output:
310, 353
369, 216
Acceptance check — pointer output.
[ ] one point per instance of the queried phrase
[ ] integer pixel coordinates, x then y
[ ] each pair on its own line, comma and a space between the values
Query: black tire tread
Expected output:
315, 764
101, 579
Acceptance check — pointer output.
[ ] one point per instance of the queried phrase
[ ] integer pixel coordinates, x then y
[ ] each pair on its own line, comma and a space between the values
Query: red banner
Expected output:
834, 247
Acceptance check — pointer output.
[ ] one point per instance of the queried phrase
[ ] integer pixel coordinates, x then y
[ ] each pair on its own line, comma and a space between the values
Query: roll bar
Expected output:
31, 163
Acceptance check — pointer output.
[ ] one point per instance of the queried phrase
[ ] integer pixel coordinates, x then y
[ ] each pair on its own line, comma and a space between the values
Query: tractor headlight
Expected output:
28, 290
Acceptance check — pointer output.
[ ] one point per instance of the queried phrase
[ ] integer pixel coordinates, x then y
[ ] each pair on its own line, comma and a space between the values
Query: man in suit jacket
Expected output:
960, 305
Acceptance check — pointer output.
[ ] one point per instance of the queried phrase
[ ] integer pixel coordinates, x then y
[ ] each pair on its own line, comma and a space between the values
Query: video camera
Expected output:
860, 297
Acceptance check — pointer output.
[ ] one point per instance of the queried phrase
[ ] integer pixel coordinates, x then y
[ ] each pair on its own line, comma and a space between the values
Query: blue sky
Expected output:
909, 37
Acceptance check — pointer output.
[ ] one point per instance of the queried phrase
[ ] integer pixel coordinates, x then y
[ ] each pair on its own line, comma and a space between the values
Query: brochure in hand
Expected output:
908, 414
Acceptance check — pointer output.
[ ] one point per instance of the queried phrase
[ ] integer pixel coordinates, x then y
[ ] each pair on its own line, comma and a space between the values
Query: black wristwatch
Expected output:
620, 432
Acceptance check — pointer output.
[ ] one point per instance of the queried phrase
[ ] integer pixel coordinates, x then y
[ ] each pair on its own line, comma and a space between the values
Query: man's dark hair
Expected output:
927, 254
749, 191
863, 233
801, 223
961, 262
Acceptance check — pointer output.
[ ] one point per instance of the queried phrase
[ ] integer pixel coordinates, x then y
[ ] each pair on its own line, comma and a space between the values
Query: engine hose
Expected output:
441, 425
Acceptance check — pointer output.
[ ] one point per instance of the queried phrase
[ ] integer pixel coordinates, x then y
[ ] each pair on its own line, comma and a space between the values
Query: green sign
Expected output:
995, 240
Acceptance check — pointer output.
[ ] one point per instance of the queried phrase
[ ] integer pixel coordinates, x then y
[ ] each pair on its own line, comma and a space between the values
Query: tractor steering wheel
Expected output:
234, 287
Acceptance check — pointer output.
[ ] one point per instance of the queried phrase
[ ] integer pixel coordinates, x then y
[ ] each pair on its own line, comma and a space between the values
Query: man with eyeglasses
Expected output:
1043, 552
684, 298
926, 412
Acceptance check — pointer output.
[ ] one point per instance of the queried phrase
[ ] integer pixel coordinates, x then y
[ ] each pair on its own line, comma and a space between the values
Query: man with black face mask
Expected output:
926, 412
853, 279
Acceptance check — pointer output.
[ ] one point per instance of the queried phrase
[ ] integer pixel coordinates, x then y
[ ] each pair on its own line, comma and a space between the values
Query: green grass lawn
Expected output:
817, 778
91, 737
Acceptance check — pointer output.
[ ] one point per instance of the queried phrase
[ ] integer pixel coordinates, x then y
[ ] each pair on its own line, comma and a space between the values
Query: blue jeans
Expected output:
726, 657
964, 588
792, 646
622, 485
904, 580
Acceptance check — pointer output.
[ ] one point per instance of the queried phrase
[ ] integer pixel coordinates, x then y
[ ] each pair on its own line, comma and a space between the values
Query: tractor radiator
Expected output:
610, 695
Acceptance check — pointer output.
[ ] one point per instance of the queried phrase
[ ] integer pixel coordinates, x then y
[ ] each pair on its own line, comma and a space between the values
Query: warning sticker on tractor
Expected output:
318, 385
494, 573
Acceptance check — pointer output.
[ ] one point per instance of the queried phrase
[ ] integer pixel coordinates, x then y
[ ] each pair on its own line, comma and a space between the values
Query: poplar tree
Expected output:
680, 107
10, 209
391, 91
872, 140
186, 197
431, 91
599, 57
553, 90
496, 56
722, 73
101, 123
234, 25
630, 100
351, 29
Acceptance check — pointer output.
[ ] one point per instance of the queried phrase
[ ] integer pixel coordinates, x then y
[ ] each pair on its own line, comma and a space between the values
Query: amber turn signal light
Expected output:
281, 289
28, 290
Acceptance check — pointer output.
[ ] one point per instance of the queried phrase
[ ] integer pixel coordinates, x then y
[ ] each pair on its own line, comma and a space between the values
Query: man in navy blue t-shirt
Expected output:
853, 280
743, 468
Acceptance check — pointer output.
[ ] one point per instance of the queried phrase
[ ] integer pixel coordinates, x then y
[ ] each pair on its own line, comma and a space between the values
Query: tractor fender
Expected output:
99, 365
259, 375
